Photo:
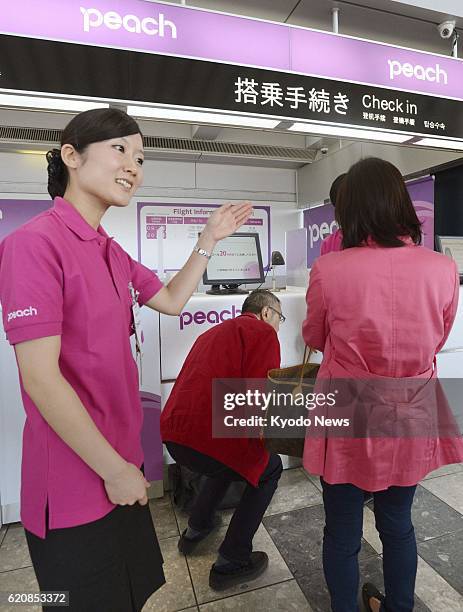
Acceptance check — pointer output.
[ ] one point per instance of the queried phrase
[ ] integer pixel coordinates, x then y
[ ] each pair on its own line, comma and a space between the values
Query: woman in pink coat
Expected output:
380, 310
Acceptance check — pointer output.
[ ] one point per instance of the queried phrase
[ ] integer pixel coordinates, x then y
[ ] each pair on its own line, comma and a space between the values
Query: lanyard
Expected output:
136, 326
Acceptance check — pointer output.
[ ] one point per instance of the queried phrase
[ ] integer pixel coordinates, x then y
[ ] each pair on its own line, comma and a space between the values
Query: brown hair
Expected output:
373, 202
335, 188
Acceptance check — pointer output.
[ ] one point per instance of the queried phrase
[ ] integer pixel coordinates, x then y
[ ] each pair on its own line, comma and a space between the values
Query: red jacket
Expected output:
245, 347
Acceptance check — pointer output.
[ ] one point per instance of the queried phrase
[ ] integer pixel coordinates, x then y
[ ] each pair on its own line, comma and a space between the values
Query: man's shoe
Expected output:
187, 545
231, 574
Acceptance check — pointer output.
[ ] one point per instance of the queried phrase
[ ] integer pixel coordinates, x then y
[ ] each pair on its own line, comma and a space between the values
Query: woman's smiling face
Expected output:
111, 170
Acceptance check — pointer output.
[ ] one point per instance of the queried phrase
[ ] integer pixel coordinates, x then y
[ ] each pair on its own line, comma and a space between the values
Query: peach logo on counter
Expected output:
213, 317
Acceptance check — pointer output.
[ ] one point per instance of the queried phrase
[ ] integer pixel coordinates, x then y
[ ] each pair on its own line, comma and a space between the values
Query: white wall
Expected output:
23, 175
186, 182
314, 180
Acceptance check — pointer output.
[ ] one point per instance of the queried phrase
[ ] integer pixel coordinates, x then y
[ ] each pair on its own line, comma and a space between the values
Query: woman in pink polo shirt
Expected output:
380, 310
67, 291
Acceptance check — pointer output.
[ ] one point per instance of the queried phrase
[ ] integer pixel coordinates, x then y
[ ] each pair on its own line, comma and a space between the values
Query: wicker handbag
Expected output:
295, 379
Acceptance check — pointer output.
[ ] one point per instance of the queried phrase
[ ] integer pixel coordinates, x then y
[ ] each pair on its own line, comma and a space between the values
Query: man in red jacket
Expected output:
245, 347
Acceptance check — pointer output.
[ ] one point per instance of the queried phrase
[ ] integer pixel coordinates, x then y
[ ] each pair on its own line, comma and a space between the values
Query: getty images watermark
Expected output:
255, 399
426, 408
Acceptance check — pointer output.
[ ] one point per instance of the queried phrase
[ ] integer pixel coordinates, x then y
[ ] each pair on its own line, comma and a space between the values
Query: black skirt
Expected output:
113, 564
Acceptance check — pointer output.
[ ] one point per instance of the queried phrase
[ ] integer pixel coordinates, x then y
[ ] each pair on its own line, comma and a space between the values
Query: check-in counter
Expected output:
177, 334
450, 358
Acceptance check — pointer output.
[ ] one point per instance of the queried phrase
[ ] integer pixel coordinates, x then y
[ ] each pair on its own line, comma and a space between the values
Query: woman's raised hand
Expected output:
227, 219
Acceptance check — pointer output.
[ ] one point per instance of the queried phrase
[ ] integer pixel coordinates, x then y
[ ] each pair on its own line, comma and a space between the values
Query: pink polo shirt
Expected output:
59, 276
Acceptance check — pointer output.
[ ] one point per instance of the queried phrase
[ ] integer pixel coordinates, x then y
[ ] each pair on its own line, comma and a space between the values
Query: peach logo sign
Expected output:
159, 26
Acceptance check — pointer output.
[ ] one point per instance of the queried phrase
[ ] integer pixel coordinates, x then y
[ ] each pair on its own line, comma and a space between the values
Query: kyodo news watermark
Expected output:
352, 408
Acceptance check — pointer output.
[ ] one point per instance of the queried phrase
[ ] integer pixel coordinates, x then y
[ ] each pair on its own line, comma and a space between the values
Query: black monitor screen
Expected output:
236, 260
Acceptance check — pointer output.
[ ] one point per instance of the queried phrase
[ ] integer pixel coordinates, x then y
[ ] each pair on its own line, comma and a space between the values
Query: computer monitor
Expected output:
452, 246
236, 260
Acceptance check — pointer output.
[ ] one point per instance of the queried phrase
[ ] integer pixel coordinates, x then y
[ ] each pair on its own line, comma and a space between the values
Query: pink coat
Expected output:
380, 314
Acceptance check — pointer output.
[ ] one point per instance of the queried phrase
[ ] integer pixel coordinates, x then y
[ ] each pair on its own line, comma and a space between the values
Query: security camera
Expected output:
324, 150
446, 28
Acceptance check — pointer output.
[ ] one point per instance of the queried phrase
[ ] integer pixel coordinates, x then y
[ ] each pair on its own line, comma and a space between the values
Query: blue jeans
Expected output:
342, 538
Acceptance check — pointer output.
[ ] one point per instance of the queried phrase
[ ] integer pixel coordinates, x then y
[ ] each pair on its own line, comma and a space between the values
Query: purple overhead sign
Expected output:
185, 31
149, 26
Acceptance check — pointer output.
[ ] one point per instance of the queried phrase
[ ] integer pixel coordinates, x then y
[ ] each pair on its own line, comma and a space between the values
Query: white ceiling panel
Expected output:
272, 10
448, 7
372, 23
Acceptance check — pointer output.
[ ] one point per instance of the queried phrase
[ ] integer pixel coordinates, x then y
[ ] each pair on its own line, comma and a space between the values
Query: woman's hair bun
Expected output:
57, 173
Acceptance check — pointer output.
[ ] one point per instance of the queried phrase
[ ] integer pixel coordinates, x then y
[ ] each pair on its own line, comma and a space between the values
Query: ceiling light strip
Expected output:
37, 102
173, 114
349, 132
441, 143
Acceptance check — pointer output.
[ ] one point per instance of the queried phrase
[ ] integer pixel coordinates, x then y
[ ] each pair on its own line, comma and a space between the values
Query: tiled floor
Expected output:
291, 535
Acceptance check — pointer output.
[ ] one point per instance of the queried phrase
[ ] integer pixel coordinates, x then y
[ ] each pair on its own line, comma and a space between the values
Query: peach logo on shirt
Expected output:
27, 312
